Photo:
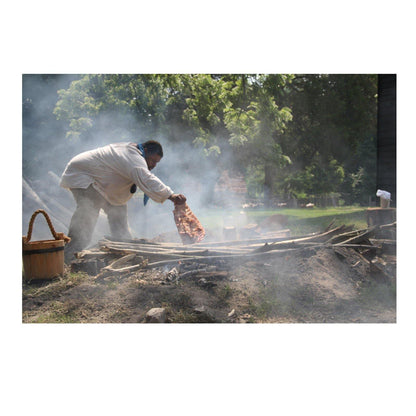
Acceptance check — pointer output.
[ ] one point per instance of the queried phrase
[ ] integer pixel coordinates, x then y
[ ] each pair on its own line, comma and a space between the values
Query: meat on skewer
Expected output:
190, 229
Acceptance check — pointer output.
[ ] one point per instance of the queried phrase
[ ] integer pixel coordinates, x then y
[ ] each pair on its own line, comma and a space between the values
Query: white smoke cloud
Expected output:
46, 151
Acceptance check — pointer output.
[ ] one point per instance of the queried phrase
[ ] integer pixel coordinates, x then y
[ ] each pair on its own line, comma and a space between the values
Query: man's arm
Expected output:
154, 187
151, 185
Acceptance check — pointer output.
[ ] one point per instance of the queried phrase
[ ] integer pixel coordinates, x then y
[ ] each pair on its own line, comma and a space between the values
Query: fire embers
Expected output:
189, 228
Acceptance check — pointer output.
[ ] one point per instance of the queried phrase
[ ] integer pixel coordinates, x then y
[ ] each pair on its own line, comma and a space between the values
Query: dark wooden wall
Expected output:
386, 135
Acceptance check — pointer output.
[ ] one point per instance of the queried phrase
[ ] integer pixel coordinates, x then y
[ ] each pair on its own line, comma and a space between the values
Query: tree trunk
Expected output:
268, 185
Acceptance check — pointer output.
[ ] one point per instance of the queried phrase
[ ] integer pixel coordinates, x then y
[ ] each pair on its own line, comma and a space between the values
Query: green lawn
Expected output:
300, 221
321, 218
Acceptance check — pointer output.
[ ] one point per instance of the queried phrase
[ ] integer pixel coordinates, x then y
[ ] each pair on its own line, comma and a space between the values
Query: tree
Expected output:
220, 114
332, 116
255, 123
290, 135
120, 105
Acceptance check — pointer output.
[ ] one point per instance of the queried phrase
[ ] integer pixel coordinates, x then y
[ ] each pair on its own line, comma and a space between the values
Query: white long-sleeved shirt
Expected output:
112, 170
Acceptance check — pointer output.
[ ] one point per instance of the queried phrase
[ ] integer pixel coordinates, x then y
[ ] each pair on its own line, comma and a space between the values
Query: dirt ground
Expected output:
312, 285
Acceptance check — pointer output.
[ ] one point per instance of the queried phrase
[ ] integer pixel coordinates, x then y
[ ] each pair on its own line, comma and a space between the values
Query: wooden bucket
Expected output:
43, 259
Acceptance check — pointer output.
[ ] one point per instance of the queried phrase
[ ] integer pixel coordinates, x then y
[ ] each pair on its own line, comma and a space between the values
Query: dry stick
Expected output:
88, 254
366, 246
136, 247
344, 255
391, 225
349, 234
231, 257
122, 246
329, 226
206, 252
310, 241
173, 253
241, 242
203, 259
165, 259
360, 237
162, 246
148, 254
274, 248
183, 254
246, 244
144, 249
170, 249
204, 245
382, 241
149, 246
219, 243
125, 269
322, 236
190, 252
123, 260
173, 250
306, 244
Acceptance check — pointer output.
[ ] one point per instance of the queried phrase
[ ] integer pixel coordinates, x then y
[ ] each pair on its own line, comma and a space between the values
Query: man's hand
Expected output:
178, 199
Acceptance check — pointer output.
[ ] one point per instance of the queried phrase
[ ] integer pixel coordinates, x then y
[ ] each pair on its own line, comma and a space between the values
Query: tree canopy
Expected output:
289, 135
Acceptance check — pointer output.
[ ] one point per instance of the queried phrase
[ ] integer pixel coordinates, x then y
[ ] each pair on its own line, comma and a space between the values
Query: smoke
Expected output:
46, 151
187, 171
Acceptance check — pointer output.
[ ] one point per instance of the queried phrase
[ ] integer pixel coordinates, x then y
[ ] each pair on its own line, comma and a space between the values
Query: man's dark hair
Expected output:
152, 146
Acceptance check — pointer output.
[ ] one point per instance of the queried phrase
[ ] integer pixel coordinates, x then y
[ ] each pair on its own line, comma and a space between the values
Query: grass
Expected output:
225, 292
300, 221
57, 312
47, 292
49, 289
321, 219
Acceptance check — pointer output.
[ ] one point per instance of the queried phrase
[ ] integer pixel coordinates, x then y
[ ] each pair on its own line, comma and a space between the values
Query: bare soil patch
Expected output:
312, 285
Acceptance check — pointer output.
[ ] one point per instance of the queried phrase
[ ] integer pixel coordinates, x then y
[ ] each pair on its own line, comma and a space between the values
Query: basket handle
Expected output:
57, 236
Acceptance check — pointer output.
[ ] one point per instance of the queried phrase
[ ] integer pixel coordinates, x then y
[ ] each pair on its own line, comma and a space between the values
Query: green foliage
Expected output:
323, 177
143, 97
291, 135
255, 181
333, 115
239, 123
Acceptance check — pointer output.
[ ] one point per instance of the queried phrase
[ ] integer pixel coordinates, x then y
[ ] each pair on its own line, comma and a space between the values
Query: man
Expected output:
106, 178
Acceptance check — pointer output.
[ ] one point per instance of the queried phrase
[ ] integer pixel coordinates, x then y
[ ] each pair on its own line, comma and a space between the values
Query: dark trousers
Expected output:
89, 203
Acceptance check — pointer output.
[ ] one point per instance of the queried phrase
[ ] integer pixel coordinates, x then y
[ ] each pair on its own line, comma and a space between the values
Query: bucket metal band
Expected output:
44, 250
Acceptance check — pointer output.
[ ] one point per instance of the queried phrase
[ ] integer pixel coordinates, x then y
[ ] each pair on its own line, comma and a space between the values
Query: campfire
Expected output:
205, 259
252, 275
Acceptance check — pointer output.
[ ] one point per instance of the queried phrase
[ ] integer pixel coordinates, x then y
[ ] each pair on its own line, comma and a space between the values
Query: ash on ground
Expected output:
313, 285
